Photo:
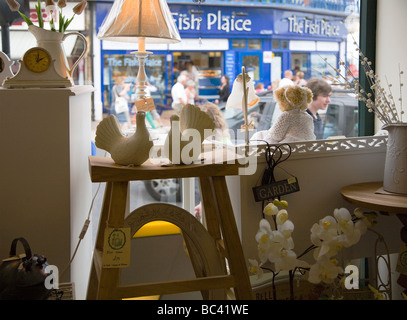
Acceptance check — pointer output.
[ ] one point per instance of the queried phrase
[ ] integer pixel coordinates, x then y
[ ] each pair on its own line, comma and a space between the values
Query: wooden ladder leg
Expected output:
237, 264
114, 208
95, 268
210, 220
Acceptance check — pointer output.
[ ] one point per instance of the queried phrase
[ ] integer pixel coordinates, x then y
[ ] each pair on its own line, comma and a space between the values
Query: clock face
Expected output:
37, 59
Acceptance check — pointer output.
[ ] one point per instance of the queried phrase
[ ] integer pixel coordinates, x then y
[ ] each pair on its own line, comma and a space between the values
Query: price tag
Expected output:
116, 248
145, 104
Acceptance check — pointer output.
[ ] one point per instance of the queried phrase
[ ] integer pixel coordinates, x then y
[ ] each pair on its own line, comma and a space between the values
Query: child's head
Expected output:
293, 97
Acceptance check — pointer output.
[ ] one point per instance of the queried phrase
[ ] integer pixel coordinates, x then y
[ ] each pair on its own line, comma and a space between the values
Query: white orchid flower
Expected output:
325, 230
270, 209
264, 238
286, 260
255, 268
325, 270
328, 248
344, 219
282, 216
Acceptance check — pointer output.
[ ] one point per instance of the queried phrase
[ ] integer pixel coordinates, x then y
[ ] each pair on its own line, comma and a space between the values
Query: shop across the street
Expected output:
219, 40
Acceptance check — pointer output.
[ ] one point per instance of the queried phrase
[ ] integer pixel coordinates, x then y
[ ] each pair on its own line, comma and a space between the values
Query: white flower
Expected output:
344, 219
263, 238
270, 209
282, 216
325, 230
286, 230
325, 270
255, 268
285, 260
328, 248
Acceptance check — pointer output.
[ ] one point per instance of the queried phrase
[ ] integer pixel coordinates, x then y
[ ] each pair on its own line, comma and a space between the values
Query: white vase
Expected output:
52, 41
395, 168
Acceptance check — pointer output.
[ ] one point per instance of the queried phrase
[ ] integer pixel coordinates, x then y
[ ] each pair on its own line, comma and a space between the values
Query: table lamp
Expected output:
140, 21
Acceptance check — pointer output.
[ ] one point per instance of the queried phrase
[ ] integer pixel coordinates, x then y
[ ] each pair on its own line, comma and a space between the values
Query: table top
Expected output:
104, 169
370, 195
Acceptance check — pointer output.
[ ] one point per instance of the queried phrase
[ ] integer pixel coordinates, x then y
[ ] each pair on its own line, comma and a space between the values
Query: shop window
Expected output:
320, 67
254, 44
238, 43
126, 66
284, 44
252, 66
275, 44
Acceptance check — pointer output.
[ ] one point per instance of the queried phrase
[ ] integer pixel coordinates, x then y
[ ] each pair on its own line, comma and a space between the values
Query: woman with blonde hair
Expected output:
221, 128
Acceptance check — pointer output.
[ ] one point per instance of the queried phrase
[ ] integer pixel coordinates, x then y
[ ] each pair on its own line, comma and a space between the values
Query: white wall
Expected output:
322, 170
391, 45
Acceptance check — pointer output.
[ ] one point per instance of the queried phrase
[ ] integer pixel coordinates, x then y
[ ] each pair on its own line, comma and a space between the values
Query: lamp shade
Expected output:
130, 20
235, 99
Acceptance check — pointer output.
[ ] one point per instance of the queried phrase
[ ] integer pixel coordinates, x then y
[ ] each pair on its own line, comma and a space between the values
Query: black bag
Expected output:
22, 276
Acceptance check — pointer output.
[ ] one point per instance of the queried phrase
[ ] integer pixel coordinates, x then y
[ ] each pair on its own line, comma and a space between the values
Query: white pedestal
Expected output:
45, 187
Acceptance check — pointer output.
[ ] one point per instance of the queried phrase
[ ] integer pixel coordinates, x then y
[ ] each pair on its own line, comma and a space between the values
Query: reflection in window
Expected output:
320, 67
126, 66
251, 64
238, 43
254, 44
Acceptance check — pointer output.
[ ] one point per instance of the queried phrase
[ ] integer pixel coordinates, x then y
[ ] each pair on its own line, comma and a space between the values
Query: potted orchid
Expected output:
53, 8
328, 237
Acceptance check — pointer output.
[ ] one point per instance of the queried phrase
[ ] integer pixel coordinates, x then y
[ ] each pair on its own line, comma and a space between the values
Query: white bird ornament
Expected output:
133, 150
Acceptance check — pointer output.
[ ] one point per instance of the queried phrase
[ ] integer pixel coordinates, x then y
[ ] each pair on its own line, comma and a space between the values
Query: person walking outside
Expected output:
321, 91
178, 94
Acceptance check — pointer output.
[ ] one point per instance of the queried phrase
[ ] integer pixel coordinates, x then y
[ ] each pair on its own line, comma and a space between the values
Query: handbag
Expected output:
22, 276
120, 105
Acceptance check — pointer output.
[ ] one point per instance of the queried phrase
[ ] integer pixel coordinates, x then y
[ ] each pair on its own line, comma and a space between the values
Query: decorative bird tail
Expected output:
107, 133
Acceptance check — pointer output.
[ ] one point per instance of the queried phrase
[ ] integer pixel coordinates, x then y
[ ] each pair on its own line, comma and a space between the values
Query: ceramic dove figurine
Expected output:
133, 150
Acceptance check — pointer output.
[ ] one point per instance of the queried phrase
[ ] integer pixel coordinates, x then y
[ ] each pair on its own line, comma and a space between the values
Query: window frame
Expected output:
367, 36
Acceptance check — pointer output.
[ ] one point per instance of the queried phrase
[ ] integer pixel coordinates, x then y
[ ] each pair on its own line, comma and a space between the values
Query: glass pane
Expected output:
251, 64
238, 43
321, 67
275, 44
254, 44
299, 62
126, 67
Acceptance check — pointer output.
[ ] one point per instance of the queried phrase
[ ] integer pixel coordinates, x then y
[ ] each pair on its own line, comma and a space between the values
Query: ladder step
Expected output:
171, 287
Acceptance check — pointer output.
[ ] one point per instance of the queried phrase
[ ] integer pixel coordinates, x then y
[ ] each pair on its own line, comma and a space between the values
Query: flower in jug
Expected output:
61, 23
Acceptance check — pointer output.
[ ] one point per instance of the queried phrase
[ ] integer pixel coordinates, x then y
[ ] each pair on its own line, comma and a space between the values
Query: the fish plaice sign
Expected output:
216, 20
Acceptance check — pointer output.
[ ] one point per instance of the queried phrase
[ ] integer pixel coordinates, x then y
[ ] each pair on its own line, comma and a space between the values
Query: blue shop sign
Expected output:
295, 23
216, 20
221, 20
235, 22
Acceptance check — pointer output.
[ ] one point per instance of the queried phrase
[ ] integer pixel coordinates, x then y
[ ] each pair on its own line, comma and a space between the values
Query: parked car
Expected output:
340, 118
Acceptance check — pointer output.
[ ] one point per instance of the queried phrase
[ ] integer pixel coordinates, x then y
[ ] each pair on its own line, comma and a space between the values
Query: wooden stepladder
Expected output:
215, 250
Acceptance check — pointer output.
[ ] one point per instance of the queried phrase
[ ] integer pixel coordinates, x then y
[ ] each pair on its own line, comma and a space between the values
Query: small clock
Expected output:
37, 59
37, 70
